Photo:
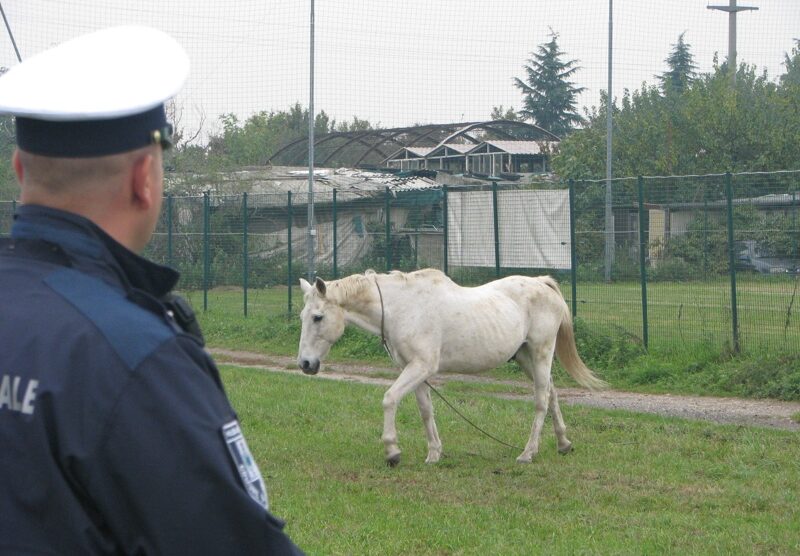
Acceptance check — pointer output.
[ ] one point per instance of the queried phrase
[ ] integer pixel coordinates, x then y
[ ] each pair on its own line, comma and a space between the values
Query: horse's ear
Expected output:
320, 283
304, 285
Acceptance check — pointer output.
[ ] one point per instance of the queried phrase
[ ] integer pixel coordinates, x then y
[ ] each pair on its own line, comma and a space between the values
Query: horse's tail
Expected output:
567, 351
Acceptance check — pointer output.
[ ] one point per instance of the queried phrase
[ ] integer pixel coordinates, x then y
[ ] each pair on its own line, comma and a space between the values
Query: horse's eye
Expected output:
317, 318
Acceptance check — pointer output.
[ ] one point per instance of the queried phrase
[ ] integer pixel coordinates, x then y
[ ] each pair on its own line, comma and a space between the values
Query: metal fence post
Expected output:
289, 249
444, 227
496, 231
416, 236
388, 233
335, 239
796, 235
169, 231
245, 255
732, 262
206, 249
705, 234
573, 271
642, 258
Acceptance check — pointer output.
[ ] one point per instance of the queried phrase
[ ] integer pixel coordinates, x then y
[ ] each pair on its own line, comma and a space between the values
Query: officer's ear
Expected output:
19, 169
143, 187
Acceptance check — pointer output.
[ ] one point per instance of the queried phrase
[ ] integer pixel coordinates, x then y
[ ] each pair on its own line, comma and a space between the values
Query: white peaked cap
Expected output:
111, 73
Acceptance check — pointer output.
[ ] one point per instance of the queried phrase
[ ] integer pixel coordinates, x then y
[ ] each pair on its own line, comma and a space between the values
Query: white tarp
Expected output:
533, 226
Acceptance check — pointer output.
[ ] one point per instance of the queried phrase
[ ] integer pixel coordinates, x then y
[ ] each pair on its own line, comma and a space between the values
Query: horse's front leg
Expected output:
414, 374
423, 393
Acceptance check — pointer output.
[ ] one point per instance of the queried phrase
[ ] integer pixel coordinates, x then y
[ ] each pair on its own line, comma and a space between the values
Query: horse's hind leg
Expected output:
536, 363
564, 445
423, 393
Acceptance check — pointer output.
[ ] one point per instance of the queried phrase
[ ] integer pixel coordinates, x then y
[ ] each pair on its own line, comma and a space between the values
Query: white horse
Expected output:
430, 324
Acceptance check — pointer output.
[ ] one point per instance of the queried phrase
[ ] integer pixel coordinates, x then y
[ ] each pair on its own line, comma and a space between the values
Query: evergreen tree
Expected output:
549, 97
681, 68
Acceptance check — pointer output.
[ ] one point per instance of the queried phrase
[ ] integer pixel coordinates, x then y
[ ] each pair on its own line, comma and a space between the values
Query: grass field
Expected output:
635, 484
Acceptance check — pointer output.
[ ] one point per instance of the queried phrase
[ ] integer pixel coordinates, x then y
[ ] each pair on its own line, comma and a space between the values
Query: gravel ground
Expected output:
751, 412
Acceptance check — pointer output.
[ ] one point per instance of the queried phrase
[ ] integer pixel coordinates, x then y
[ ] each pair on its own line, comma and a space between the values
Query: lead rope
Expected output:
435, 391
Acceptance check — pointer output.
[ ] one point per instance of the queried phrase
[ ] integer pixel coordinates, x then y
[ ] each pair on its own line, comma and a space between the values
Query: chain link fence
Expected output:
709, 260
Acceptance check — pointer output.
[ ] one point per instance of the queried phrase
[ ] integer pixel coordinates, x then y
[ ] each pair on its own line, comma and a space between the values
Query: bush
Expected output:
606, 349
766, 377
671, 269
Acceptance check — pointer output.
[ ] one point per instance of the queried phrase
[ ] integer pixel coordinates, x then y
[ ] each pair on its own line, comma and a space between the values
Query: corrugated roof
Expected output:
268, 185
345, 179
769, 200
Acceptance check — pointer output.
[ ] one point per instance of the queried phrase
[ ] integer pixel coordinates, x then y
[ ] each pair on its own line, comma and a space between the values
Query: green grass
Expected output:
691, 362
635, 484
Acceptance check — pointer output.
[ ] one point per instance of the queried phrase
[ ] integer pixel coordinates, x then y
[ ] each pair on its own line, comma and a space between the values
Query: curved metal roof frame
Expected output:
372, 140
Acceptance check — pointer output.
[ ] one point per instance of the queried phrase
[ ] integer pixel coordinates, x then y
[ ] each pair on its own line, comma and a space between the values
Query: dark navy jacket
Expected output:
112, 417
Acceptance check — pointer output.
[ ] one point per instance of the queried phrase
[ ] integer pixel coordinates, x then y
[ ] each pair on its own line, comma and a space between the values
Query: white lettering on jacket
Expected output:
12, 396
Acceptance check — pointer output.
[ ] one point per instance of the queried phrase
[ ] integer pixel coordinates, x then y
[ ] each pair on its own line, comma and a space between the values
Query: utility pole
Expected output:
312, 231
732, 10
609, 216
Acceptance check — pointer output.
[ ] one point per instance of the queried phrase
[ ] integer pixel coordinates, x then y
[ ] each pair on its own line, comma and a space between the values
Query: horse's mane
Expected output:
362, 286
349, 288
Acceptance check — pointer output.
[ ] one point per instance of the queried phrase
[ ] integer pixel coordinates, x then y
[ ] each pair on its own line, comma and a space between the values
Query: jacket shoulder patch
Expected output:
133, 332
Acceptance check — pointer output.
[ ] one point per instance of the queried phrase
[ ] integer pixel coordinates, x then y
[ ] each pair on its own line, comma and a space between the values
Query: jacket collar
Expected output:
92, 250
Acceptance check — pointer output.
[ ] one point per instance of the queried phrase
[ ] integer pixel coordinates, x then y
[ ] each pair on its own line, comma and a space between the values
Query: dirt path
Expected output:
763, 413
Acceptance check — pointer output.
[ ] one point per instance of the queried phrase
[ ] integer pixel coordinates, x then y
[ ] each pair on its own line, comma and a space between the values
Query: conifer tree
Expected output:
549, 96
681, 68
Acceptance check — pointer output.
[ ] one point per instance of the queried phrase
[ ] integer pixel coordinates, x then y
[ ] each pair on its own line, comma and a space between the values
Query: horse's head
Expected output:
322, 324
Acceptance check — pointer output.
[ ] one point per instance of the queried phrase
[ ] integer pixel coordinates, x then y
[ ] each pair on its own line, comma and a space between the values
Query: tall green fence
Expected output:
711, 260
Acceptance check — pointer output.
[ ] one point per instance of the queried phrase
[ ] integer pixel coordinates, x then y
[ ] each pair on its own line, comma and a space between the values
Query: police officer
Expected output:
115, 433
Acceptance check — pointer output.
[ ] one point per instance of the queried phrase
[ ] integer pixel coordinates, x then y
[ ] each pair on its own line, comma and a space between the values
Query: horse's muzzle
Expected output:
309, 367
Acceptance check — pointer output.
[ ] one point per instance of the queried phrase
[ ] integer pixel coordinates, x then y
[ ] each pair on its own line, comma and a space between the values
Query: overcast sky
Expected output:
412, 61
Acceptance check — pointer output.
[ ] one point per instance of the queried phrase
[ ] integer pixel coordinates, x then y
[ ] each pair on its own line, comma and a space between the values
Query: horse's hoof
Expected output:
432, 458
393, 461
566, 449
524, 459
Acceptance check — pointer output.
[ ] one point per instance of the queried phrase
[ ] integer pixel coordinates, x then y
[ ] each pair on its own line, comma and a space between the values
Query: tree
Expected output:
709, 127
356, 125
549, 97
503, 113
792, 63
681, 68
787, 131
252, 142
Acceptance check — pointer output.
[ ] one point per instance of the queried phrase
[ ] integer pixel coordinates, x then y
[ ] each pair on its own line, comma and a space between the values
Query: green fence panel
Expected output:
698, 260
